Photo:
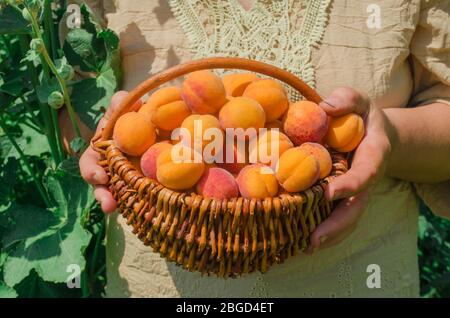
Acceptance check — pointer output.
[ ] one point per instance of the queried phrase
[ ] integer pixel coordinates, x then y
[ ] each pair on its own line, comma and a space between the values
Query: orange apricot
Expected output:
268, 147
170, 116
242, 112
322, 155
196, 125
270, 95
236, 83
297, 170
133, 134
345, 132
305, 121
257, 181
149, 158
177, 169
217, 183
203, 92
162, 96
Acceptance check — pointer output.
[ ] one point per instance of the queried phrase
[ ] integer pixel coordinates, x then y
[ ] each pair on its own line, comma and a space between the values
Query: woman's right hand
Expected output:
89, 168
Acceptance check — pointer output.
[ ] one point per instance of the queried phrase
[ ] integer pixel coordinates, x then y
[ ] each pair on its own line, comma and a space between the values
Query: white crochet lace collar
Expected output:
271, 31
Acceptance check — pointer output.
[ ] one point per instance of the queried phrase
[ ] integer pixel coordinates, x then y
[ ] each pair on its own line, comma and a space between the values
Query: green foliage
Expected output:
434, 254
49, 219
12, 22
94, 50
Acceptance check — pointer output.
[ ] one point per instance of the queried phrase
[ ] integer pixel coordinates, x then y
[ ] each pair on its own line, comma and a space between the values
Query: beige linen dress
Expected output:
396, 51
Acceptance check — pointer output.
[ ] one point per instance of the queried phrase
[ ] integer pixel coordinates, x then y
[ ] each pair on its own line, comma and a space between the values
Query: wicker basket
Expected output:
225, 237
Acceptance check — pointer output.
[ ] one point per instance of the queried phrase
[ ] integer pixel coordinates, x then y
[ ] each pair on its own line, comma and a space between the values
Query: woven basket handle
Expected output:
203, 64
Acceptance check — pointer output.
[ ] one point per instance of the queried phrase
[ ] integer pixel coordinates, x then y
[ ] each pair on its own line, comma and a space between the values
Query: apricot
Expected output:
305, 121
270, 95
203, 92
242, 112
217, 183
162, 96
257, 181
345, 132
297, 170
322, 155
149, 158
236, 83
170, 116
206, 122
177, 169
261, 148
240, 158
133, 134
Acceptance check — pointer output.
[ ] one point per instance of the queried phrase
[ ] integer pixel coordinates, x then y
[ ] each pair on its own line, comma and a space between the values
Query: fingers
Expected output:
340, 223
89, 168
105, 198
367, 166
344, 100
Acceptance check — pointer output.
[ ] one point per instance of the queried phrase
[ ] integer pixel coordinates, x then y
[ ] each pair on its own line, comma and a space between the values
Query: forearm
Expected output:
420, 143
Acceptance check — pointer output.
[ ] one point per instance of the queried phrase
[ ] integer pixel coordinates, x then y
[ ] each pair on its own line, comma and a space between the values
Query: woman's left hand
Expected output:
368, 166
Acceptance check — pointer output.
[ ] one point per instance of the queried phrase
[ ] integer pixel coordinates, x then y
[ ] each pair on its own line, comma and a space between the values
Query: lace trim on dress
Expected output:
267, 32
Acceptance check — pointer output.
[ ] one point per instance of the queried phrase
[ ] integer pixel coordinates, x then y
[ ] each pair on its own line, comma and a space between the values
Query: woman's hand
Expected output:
91, 171
368, 166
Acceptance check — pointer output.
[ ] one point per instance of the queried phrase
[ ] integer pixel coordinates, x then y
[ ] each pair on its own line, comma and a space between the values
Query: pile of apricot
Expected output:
301, 131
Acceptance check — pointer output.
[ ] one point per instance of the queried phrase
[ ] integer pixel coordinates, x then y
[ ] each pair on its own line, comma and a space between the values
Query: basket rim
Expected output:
100, 146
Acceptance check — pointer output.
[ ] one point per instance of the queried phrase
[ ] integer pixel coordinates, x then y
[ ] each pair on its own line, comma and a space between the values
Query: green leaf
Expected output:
80, 48
28, 224
70, 166
112, 53
6, 291
31, 143
91, 96
13, 87
65, 239
12, 22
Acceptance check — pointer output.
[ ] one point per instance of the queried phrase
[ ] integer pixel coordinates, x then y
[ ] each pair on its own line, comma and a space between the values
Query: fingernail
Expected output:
322, 239
96, 178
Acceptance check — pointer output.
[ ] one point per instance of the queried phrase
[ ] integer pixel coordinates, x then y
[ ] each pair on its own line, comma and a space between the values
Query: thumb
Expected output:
365, 169
345, 100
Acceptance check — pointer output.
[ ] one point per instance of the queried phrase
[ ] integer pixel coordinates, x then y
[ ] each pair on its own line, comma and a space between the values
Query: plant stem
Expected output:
31, 125
45, 114
50, 44
48, 20
62, 83
65, 92
26, 163
98, 242
84, 285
